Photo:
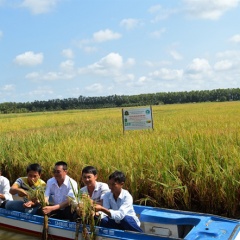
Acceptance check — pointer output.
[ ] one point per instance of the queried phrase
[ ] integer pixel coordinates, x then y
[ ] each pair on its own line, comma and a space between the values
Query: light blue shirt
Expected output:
120, 208
98, 192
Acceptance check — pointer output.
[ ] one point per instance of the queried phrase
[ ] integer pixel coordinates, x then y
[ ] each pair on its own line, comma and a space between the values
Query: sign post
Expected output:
137, 118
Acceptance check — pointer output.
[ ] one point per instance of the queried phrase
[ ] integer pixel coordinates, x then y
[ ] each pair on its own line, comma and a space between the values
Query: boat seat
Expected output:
166, 224
167, 218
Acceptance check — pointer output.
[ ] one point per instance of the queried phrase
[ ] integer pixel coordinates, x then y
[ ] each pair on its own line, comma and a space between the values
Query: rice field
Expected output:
190, 161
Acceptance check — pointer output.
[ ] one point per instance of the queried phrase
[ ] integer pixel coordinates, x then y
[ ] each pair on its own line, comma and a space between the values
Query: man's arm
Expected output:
49, 209
99, 208
126, 206
15, 189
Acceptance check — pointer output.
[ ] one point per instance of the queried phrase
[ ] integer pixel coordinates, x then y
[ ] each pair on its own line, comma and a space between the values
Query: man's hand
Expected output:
28, 204
98, 207
48, 209
2, 196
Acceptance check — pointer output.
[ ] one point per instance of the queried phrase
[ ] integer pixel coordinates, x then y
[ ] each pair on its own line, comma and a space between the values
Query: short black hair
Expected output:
61, 163
118, 176
90, 169
34, 167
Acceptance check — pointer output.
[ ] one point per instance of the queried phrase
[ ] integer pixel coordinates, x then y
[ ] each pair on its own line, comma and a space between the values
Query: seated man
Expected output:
118, 205
94, 189
21, 187
58, 189
5, 195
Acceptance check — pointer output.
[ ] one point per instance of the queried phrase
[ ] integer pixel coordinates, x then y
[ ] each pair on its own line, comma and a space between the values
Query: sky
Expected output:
58, 49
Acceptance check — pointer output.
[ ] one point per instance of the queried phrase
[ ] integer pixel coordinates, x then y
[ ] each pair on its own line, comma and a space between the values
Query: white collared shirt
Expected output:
4, 189
120, 208
98, 192
58, 194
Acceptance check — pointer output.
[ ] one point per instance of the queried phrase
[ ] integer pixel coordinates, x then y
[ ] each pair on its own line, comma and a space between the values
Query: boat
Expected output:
157, 223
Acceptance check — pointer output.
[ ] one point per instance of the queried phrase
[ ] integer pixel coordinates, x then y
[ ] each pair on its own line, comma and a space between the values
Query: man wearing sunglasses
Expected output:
58, 189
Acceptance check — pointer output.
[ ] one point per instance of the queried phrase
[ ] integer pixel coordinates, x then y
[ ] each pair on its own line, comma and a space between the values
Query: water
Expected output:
8, 235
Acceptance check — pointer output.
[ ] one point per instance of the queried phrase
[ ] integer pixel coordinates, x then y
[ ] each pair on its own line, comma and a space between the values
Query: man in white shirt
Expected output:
57, 191
118, 205
94, 189
4, 190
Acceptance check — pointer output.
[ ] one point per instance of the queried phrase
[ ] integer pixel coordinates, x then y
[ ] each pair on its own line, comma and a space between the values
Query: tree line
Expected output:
216, 95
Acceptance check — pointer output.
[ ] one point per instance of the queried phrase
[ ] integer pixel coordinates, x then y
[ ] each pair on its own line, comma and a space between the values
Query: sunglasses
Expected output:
57, 171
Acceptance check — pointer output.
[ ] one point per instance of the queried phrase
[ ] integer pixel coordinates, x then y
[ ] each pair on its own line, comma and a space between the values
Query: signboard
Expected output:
137, 118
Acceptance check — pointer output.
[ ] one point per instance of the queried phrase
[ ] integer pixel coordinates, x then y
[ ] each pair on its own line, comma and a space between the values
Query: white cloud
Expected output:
229, 54
67, 66
130, 62
41, 92
105, 35
198, 65
29, 59
89, 49
108, 65
8, 87
98, 37
206, 9
84, 44
68, 53
155, 8
167, 74
157, 64
112, 60
158, 33
124, 78
130, 23
49, 76
33, 76
235, 38
58, 75
96, 87
176, 55
111, 67
223, 65
160, 13
1, 34
39, 6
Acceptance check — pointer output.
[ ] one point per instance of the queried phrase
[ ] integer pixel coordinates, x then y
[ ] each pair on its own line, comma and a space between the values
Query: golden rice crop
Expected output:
189, 161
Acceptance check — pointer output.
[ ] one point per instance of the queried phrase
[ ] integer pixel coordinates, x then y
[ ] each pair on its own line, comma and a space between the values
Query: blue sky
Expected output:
53, 49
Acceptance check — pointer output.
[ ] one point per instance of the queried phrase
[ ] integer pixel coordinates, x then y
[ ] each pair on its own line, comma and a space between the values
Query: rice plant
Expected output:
83, 208
37, 195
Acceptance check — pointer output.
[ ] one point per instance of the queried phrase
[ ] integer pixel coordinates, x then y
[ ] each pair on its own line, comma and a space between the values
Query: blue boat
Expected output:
157, 223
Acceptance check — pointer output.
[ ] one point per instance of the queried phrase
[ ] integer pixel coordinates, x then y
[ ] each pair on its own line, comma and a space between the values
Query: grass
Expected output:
189, 161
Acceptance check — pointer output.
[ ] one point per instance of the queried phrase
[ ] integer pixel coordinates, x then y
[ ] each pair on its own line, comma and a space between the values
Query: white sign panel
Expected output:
138, 118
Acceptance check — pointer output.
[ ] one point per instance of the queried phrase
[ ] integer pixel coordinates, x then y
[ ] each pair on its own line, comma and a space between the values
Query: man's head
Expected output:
33, 173
116, 181
89, 176
60, 170
89, 169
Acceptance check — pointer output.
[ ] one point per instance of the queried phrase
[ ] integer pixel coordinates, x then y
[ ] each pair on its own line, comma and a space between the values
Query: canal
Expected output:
8, 235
